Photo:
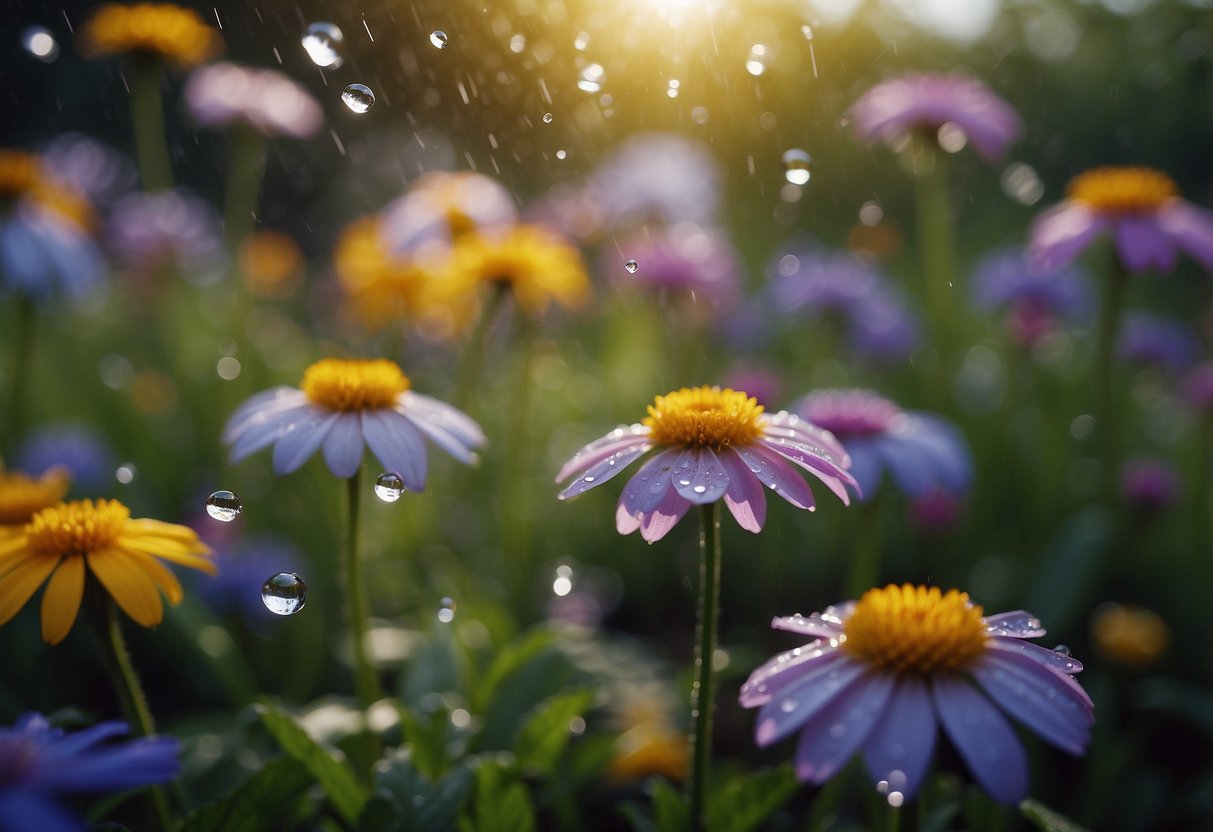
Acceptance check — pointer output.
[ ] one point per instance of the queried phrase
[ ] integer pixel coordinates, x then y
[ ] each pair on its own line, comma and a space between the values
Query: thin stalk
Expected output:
1104, 375
936, 244
245, 170
865, 555
366, 683
516, 520
147, 118
702, 704
23, 356
473, 354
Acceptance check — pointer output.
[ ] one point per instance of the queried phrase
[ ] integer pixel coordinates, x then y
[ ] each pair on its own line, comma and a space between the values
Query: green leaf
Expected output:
1046, 820
502, 802
256, 803
546, 734
746, 802
513, 656
405, 801
345, 794
671, 809
433, 668
1069, 569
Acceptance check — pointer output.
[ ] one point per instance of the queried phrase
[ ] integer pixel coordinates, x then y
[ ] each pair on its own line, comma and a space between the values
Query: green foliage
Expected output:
502, 802
546, 734
745, 802
256, 803
1046, 820
404, 800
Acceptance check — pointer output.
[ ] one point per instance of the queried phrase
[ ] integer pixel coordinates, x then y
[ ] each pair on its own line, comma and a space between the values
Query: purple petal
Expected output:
1014, 624
647, 488
807, 692
604, 468
777, 475
867, 466
812, 624
343, 446
617, 440
21, 809
699, 477
79, 741
744, 496
1036, 697
1141, 244
126, 766
301, 439
445, 440
833, 736
264, 429
1061, 233
794, 427
898, 752
657, 523
267, 402
442, 416
777, 673
818, 466
396, 443
1059, 662
1191, 227
983, 738
1004, 646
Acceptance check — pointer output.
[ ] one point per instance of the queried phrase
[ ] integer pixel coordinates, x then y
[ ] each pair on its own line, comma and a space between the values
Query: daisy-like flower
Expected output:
1140, 208
343, 406
684, 259
441, 206
953, 108
1035, 300
41, 762
223, 94
658, 177
921, 452
714, 444
60, 541
159, 30
165, 230
1150, 340
882, 671
23, 496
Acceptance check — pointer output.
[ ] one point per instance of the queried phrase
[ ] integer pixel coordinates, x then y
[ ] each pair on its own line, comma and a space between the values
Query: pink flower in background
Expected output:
223, 94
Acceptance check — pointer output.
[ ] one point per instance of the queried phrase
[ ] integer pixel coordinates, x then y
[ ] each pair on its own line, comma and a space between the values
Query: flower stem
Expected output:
366, 684
245, 169
702, 704
18, 379
147, 117
1104, 376
936, 244
865, 556
473, 354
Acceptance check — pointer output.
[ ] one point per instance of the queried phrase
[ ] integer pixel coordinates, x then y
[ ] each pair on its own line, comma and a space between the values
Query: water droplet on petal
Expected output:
358, 97
631, 266
284, 593
787, 705
40, 43
1063, 649
446, 610
547, 118
439, 39
224, 506
323, 42
797, 166
389, 486
700, 489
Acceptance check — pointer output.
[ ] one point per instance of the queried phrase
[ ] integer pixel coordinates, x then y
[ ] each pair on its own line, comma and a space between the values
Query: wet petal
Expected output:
777, 475
1051, 659
1014, 624
657, 523
983, 738
898, 752
397, 445
604, 468
617, 440
648, 487
833, 736
699, 476
804, 696
774, 675
297, 444
625, 522
831, 476
812, 624
1037, 697
267, 430
343, 446
744, 497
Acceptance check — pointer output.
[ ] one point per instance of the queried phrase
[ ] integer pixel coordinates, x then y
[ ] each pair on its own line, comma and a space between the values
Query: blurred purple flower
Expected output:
937, 511
148, 232
38, 763
682, 258
1033, 298
1157, 341
882, 672
1149, 483
912, 103
42, 256
440, 206
569, 210
921, 452
222, 94
657, 177
763, 383
1139, 207
243, 565
94, 169
81, 450
1198, 387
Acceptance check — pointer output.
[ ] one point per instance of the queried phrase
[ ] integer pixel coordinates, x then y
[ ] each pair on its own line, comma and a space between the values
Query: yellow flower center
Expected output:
20, 173
705, 417
339, 384
1123, 189
162, 29
76, 528
915, 629
22, 496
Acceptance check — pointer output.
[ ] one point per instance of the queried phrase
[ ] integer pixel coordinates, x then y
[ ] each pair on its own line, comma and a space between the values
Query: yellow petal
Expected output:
19, 583
12, 544
161, 575
128, 584
185, 558
146, 525
61, 601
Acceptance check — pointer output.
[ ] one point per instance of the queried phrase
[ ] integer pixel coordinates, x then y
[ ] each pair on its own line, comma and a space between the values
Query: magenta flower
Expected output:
1149, 483
715, 444
696, 263
913, 103
1139, 207
883, 671
223, 94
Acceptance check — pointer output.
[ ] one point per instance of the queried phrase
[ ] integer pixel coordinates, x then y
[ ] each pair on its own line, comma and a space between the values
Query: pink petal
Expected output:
1191, 227
657, 523
617, 440
744, 497
1061, 233
776, 474
604, 469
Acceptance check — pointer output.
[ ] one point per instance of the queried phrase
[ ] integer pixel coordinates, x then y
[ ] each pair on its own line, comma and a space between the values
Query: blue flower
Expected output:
1157, 341
79, 449
39, 762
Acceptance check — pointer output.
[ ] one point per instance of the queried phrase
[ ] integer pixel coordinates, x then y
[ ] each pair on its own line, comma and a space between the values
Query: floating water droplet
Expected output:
224, 506
632, 266
389, 486
439, 39
672, 90
797, 166
560, 154
807, 31
547, 118
358, 97
581, 41
1064, 649
591, 78
40, 43
760, 56
126, 473
446, 610
323, 41
284, 593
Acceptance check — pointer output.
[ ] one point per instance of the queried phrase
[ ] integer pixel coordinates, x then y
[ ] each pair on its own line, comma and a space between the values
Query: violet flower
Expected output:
1149, 483
148, 232
684, 259
658, 177
1035, 299
1151, 340
223, 94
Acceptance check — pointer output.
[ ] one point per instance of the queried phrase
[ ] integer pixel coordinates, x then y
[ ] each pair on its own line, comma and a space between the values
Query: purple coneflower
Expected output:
716, 443
882, 671
657, 177
224, 94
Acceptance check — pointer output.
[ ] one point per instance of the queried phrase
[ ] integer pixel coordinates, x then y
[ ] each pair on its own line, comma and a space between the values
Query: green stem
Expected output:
515, 502
702, 690
936, 244
1104, 375
366, 683
23, 356
147, 117
245, 169
865, 555
473, 354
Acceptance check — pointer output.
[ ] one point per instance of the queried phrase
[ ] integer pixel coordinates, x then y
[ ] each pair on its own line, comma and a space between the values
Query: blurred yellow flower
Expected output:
651, 748
1132, 636
23, 177
535, 264
272, 264
21, 496
60, 540
161, 30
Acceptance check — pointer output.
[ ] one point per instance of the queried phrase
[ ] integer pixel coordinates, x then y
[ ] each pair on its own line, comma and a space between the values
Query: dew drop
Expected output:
631, 266
126, 473
787, 705
700, 489
389, 486
446, 610
358, 97
1064, 649
581, 41
797, 166
547, 118
560, 154
439, 39
591, 78
40, 43
224, 506
760, 56
284, 593
322, 42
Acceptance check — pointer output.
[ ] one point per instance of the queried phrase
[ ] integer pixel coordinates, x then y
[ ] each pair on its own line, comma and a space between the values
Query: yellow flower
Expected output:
23, 177
272, 264
161, 30
21, 496
1132, 636
535, 264
648, 749
59, 541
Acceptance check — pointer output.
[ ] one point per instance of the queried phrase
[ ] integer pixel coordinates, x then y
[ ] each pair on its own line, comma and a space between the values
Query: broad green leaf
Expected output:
744, 803
502, 802
344, 792
546, 734
405, 801
671, 809
513, 656
1046, 820
433, 668
256, 803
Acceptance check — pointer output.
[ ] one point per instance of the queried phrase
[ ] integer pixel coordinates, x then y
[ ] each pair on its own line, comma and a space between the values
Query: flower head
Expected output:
1149, 484
658, 177
683, 259
1133, 636
82, 451
922, 452
39, 762
343, 406
23, 496
1035, 300
440, 207
150, 232
272, 264
715, 443
882, 671
1150, 340
223, 94
61, 540
160, 30
1139, 207
914, 103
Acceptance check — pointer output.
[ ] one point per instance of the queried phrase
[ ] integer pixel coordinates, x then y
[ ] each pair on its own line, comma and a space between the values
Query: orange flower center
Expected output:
915, 630
76, 528
340, 384
1123, 189
705, 417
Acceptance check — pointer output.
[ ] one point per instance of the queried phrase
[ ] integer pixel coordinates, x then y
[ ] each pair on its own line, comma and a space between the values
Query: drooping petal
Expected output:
1060, 662
128, 585
810, 692
1062, 233
781, 671
61, 600
72, 744
625, 521
833, 736
604, 468
1014, 624
899, 749
832, 477
617, 440
20, 581
1191, 227
1142, 244
259, 407
777, 475
446, 417
343, 447
745, 498
648, 486
657, 523
699, 476
983, 738
297, 444
397, 445
267, 430
1036, 697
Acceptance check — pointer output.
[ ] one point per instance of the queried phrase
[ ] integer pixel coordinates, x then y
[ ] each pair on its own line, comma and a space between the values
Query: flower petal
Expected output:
301, 439
125, 766
1058, 662
833, 736
620, 438
1061, 233
27, 809
128, 585
807, 625
898, 751
744, 497
397, 445
604, 468
625, 522
19, 582
657, 523
803, 455
810, 690
1191, 227
647, 488
443, 416
1014, 624
779, 672
1142, 244
61, 600
777, 475
699, 477
983, 738
343, 447
1038, 698
258, 408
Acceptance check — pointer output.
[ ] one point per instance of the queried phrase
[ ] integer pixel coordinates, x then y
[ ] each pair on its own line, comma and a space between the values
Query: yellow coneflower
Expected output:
22, 496
161, 30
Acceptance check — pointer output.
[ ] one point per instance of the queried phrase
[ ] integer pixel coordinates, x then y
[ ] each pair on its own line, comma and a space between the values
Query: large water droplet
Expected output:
358, 97
439, 39
1063, 649
797, 166
547, 118
388, 487
591, 78
760, 56
323, 41
446, 610
631, 266
284, 593
40, 43
224, 505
